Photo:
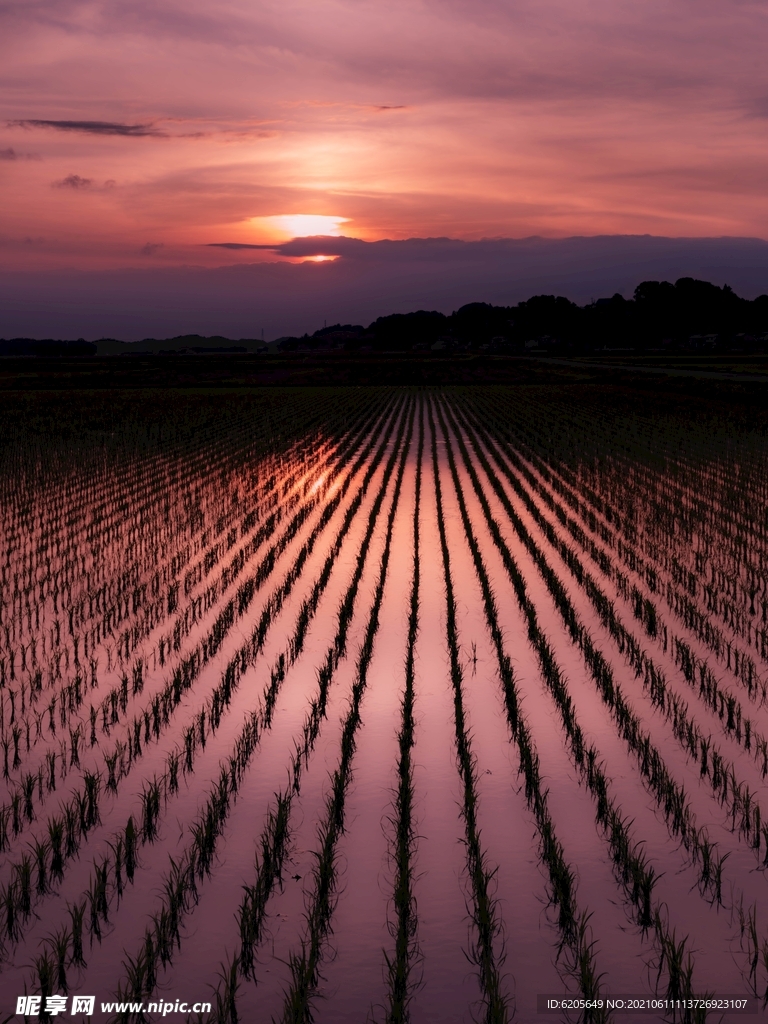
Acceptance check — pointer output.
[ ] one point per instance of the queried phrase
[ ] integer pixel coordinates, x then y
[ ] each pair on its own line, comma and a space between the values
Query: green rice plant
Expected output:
402, 962
59, 945
677, 965
582, 966
89, 808
131, 840
45, 975
98, 900
305, 965
137, 978
485, 951
225, 994
28, 792
252, 911
111, 763
5, 816
9, 901
637, 878
150, 802
118, 860
56, 840
23, 872
670, 797
40, 851
180, 889
16, 812
173, 771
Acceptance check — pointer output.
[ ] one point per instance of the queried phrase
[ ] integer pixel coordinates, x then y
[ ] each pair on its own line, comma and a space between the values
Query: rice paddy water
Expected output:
388, 705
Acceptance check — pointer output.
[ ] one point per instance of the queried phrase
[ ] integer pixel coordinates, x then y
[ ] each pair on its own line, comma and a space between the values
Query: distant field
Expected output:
388, 704
732, 363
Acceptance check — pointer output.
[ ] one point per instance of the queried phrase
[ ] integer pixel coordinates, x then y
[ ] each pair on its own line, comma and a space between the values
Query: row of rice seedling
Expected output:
207, 720
735, 722
633, 871
727, 649
154, 561
211, 594
403, 960
179, 691
247, 741
741, 803
273, 845
669, 795
486, 949
571, 922
719, 771
78, 683
156, 714
704, 544
194, 452
305, 963
711, 871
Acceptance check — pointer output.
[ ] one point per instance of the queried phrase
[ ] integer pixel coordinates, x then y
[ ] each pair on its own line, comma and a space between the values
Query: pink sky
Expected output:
465, 118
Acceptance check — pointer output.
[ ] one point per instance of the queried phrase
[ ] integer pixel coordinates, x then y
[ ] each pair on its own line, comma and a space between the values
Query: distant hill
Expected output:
185, 343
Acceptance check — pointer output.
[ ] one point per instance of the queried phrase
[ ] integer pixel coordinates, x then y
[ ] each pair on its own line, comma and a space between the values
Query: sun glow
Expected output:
300, 225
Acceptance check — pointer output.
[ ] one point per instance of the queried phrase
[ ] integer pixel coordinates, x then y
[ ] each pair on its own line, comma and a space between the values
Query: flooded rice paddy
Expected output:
384, 705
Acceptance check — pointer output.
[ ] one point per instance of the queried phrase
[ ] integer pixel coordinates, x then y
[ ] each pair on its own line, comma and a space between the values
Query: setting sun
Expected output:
299, 225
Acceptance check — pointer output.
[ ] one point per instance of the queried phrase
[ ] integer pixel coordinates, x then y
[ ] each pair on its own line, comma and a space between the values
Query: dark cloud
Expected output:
92, 127
241, 245
12, 154
150, 248
73, 181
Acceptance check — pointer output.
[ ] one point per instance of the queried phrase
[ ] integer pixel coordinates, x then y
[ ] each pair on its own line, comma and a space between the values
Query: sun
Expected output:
300, 225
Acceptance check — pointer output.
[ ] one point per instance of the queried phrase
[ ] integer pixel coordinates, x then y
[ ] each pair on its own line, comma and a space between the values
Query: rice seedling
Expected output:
305, 963
403, 961
153, 562
59, 946
486, 946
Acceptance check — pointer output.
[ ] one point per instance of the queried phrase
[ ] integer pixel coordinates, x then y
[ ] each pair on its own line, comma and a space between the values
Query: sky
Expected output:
138, 136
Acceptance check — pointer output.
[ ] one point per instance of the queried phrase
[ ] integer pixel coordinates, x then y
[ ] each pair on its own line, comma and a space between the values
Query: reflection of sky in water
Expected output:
204, 528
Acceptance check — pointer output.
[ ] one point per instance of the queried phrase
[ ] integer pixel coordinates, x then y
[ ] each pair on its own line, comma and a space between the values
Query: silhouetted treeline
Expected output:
689, 314
46, 348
